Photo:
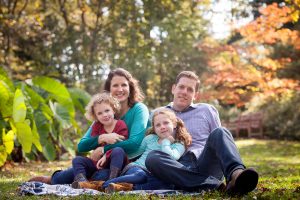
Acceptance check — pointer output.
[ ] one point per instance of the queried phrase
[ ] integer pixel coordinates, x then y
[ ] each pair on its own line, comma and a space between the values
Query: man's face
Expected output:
184, 93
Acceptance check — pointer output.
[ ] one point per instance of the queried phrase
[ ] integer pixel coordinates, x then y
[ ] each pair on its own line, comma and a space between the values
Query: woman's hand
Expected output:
101, 162
97, 153
110, 138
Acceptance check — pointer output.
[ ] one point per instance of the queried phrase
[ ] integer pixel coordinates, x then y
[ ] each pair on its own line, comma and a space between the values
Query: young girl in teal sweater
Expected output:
167, 134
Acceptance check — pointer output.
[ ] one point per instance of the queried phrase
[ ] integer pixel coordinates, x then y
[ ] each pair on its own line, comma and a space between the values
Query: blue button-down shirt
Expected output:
200, 120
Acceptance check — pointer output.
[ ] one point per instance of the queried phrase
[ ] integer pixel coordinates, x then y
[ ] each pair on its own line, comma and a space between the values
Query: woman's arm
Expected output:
175, 150
140, 149
87, 142
137, 124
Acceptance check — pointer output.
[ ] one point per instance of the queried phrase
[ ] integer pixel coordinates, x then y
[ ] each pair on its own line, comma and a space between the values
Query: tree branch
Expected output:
63, 10
22, 9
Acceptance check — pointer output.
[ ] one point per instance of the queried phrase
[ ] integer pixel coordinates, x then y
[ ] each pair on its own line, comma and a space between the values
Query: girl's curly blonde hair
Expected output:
181, 133
98, 99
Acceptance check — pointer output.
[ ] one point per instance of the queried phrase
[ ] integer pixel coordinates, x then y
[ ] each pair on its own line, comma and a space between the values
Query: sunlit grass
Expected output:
278, 163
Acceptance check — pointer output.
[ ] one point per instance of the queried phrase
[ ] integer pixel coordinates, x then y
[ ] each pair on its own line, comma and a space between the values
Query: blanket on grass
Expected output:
38, 188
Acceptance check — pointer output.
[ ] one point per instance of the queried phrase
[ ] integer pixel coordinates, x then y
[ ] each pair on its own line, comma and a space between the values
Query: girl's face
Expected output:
163, 126
104, 113
119, 88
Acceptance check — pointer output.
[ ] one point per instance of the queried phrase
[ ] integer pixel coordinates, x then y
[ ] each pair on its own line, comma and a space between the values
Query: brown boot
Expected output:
242, 181
43, 179
114, 172
116, 187
80, 178
95, 185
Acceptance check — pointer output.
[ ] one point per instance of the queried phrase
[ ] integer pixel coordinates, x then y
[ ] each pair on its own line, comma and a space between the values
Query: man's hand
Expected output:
101, 162
110, 138
97, 153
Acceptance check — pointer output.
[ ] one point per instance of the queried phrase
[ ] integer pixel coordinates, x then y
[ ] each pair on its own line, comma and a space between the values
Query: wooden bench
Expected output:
251, 122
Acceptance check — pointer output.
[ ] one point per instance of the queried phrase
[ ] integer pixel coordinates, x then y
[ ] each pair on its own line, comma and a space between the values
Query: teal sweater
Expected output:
137, 121
150, 143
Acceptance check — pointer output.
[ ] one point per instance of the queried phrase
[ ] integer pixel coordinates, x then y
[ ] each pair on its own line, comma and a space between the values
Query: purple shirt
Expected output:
200, 120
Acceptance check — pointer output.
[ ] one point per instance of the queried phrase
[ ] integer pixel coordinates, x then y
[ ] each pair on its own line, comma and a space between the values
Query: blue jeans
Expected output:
153, 183
67, 176
63, 176
219, 157
141, 179
134, 174
83, 165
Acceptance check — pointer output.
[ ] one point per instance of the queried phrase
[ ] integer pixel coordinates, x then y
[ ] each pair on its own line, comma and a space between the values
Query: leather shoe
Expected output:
43, 179
222, 187
95, 185
116, 187
242, 181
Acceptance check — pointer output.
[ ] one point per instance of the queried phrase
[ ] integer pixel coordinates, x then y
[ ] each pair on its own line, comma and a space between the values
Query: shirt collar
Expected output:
190, 107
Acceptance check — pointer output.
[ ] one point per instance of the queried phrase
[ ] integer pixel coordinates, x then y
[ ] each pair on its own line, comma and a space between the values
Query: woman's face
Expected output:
119, 88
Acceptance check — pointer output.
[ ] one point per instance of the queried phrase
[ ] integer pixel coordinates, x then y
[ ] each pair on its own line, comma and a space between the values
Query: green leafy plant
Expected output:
36, 114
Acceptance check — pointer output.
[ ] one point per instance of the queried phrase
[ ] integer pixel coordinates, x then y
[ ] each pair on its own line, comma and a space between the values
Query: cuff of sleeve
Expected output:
166, 142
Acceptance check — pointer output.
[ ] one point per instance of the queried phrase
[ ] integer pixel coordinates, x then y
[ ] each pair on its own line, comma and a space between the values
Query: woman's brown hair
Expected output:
135, 93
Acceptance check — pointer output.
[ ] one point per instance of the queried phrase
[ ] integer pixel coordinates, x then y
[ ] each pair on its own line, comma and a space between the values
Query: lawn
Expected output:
278, 163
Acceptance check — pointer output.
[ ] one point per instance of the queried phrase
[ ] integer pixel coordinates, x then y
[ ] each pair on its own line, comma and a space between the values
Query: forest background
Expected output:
55, 54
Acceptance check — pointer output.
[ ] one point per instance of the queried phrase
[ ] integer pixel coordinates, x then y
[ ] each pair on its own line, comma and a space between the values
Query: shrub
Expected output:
282, 115
36, 115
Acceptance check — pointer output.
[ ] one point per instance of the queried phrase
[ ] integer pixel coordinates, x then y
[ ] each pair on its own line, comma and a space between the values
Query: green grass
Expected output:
278, 163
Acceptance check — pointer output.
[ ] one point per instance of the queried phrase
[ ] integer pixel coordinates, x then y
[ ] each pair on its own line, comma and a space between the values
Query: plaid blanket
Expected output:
38, 188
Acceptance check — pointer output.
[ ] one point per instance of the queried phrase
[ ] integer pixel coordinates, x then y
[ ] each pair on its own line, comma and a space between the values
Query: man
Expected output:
212, 154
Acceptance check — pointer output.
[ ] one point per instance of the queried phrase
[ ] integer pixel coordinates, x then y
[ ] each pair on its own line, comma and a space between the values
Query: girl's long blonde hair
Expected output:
181, 134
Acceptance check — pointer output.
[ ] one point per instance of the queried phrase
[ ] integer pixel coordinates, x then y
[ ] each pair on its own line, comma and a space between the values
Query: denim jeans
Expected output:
118, 158
135, 174
63, 176
153, 183
219, 157
83, 165
101, 175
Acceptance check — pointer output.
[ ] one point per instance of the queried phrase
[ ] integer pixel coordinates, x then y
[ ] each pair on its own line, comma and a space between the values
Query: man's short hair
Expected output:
190, 75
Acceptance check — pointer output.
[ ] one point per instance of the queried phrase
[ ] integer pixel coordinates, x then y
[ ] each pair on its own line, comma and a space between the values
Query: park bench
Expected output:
251, 123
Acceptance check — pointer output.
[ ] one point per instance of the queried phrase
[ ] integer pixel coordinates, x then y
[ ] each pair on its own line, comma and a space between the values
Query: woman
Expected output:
125, 88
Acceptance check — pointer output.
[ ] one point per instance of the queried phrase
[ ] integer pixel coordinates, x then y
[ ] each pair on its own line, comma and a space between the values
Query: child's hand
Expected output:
110, 138
97, 153
101, 162
171, 138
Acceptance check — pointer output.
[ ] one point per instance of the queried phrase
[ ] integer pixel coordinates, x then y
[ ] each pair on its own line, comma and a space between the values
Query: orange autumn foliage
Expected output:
267, 29
240, 71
